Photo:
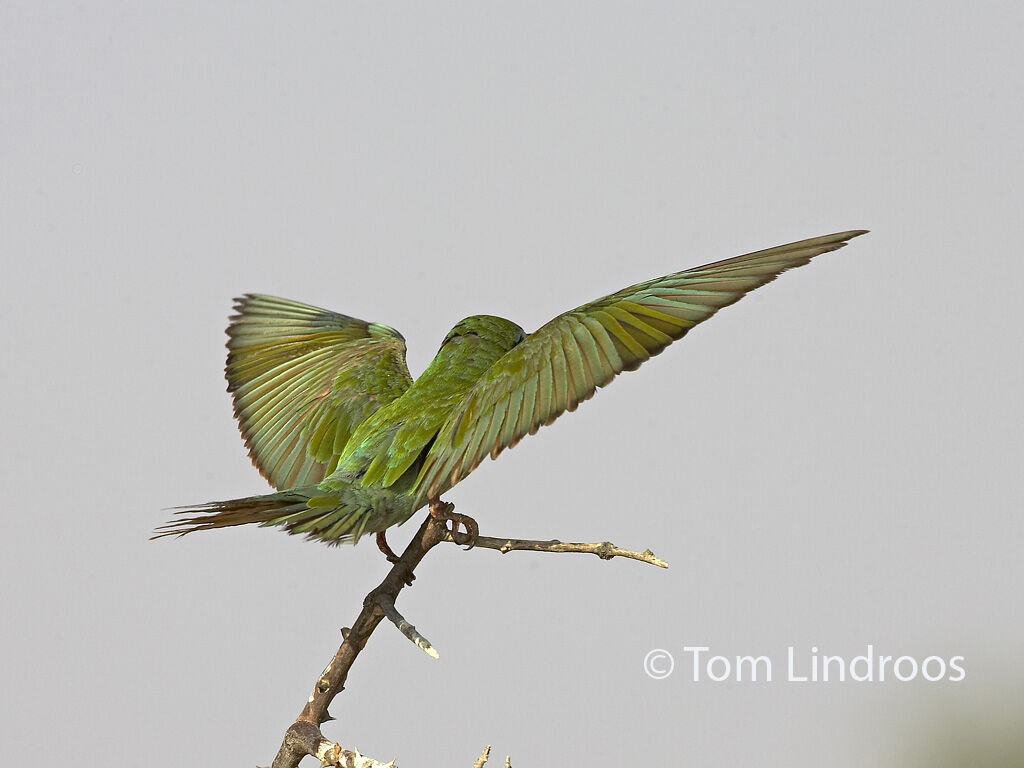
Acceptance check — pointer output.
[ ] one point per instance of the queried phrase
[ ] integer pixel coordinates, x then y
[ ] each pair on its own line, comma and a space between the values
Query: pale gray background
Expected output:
833, 462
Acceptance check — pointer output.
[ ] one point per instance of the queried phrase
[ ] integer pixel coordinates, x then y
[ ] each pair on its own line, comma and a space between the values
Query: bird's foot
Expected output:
389, 553
383, 546
445, 510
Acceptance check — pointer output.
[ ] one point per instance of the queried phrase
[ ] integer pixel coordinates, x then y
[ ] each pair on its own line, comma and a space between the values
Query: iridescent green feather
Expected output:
326, 399
303, 379
566, 360
392, 441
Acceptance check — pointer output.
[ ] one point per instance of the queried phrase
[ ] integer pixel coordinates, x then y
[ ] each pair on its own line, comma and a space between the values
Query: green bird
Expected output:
332, 418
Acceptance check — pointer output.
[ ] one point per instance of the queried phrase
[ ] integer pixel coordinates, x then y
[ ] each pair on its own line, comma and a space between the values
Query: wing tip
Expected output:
839, 239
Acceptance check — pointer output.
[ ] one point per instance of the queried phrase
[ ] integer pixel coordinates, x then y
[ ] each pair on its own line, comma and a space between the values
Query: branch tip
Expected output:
387, 605
480, 761
605, 550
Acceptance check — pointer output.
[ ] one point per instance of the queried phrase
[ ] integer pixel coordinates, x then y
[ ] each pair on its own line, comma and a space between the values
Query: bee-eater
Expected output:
333, 419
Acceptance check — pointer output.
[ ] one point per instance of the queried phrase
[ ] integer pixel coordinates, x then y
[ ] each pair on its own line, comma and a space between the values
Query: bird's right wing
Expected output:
564, 362
302, 379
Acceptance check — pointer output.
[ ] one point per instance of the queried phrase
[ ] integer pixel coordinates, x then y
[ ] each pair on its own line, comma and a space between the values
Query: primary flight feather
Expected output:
332, 418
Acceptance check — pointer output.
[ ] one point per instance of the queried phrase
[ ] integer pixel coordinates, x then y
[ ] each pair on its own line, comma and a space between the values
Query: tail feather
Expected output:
323, 517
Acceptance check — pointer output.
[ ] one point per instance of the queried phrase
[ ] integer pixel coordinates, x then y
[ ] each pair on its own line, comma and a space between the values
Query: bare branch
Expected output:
331, 753
407, 629
604, 549
304, 736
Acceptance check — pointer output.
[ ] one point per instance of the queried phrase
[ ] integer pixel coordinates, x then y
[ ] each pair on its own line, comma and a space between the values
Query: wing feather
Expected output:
559, 379
567, 359
514, 413
302, 379
524, 426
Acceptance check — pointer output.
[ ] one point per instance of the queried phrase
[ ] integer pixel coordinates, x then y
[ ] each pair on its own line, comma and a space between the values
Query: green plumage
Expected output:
331, 416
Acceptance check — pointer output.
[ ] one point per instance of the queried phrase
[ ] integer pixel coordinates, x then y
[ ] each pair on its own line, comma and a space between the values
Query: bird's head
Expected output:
468, 351
486, 330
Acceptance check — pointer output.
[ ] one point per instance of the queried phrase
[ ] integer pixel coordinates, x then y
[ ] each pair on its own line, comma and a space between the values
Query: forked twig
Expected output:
303, 737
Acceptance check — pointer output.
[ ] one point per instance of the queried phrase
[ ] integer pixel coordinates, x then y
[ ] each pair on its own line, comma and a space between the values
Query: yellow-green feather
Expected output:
565, 361
303, 379
321, 396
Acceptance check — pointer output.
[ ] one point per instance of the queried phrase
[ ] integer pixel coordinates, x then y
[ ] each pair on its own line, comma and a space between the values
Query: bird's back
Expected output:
387, 449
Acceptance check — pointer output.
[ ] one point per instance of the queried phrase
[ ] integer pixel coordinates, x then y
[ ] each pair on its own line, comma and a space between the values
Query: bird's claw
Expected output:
445, 510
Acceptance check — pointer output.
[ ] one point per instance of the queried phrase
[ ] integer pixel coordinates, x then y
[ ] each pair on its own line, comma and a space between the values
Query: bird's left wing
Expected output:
565, 361
302, 379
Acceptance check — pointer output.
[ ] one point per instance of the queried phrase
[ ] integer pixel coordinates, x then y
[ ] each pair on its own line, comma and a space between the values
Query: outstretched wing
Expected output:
302, 380
565, 361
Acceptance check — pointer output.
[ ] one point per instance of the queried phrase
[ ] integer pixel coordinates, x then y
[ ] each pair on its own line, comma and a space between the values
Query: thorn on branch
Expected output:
486, 755
480, 761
